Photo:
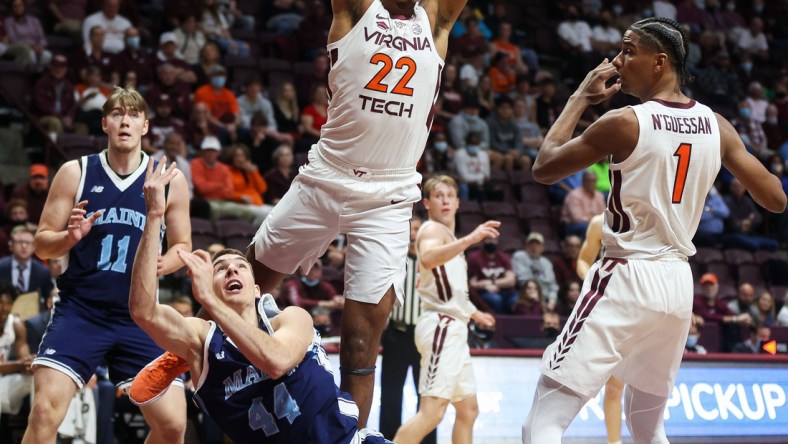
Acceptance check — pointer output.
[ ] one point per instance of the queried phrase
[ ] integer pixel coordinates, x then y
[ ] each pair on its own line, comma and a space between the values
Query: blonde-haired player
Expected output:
442, 330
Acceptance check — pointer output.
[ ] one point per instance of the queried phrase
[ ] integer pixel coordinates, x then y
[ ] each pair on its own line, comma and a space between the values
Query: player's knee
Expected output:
170, 429
468, 412
43, 414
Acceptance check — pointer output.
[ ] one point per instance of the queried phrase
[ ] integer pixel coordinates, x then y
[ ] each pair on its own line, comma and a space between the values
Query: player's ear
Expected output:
257, 291
660, 62
145, 126
104, 125
426, 203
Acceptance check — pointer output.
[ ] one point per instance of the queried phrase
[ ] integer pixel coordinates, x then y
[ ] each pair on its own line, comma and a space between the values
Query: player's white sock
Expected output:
644, 416
553, 409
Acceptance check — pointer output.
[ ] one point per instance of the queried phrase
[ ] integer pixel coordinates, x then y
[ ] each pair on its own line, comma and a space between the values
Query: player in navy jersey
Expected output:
260, 373
94, 215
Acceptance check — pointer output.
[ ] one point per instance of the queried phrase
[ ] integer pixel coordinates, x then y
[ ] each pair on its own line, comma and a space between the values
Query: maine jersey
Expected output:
99, 265
304, 406
383, 82
657, 194
444, 289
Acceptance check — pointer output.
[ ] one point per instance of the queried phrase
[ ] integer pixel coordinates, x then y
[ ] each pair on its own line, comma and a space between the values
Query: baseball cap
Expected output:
534, 236
210, 143
39, 169
59, 60
167, 37
708, 278
218, 70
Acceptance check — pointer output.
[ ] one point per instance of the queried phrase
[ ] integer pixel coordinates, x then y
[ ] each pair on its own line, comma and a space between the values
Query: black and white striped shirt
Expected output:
411, 308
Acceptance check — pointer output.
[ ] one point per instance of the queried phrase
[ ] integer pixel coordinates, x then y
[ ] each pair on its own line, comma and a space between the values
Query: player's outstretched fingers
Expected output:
492, 223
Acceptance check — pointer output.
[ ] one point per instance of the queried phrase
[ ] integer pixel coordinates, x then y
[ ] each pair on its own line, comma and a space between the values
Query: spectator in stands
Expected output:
179, 92
471, 70
468, 121
567, 297
53, 97
606, 38
286, 110
91, 96
313, 117
750, 131
708, 306
756, 102
766, 312
472, 41
472, 164
16, 214
712, 220
213, 182
34, 191
262, 141
692, 345
565, 267
720, 84
753, 40
162, 123
21, 269
281, 175
94, 55
306, 81
745, 303
217, 29
199, 126
183, 305
24, 33
189, 39
776, 135
486, 96
451, 93
439, 155
168, 53
581, 204
309, 291
691, 12
530, 264
174, 147
312, 32
68, 16
575, 35
506, 143
547, 105
745, 218
782, 316
502, 74
134, 59
491, 275
753, 344
210, 57
530, 300
503, 45
248, 185
16, 379
113, 24
221, 101
253, 101
525, 119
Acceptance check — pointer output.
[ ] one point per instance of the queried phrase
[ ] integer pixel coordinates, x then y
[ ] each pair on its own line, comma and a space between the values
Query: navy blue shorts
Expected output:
77, 338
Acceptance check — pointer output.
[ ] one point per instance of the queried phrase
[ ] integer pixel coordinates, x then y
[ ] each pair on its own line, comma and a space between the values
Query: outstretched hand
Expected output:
593, 88
153, 188
200, 268
485, 230
78, 225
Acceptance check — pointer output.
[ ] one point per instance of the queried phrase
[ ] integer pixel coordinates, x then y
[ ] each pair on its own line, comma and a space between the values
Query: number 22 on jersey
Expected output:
401, 88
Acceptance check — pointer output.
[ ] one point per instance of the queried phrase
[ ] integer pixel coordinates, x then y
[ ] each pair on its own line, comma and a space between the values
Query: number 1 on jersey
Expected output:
683, 152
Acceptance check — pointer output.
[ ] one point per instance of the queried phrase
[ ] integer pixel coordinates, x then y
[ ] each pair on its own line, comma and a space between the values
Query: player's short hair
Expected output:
7, 288
665, 35
432, 182
125, 98
228, 251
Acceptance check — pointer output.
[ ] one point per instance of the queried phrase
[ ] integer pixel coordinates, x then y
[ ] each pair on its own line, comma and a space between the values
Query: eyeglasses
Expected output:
22, 242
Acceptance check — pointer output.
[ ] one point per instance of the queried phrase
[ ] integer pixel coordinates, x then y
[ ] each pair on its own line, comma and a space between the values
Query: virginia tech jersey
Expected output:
383, 82
444, 289
657, 194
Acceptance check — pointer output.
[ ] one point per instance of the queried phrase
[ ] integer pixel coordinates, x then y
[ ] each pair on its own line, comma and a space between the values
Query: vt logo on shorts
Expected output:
598, 284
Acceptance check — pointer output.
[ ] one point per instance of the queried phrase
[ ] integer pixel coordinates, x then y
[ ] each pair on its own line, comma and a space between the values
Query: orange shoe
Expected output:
153, 381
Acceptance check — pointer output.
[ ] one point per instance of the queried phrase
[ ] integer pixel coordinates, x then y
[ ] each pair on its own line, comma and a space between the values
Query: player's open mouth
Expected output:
234, 286
124, 135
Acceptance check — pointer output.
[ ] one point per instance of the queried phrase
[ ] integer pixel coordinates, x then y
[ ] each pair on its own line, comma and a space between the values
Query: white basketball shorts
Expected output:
631, 321
372, 208
446, 369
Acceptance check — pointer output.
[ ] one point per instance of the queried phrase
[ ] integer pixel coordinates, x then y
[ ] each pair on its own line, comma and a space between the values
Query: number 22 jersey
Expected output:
383, 82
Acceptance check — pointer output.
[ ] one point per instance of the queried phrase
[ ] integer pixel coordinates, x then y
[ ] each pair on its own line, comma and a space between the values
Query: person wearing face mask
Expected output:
606, 38
221, 101
692, 345
309, 290
468, 121
753, 40
750, 130
473, 168
135, 59
775, 134
439, 156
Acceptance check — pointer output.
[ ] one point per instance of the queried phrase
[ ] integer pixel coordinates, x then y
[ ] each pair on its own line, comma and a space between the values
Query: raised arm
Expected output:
436, 248
764, 187
442, 14
346, 14
179, 229
162, 323
591, 246
63, 222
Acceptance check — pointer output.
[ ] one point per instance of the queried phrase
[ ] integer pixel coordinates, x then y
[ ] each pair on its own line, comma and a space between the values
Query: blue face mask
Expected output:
472, 149
757, 8
133, 42
648, 13
441, 146
309, 282
218, 81
746, 66
692, 341
745, 113
618, 9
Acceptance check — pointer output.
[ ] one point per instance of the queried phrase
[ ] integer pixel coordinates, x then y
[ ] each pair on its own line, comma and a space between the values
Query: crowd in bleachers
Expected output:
236, 91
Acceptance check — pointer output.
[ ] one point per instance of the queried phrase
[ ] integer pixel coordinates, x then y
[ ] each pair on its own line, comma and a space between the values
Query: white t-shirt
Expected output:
576, 33
114, 29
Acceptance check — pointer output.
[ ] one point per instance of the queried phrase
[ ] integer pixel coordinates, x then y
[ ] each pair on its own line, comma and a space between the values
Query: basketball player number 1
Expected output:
683, 152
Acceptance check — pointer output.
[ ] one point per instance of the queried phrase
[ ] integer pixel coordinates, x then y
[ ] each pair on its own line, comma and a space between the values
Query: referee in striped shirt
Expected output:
399, 349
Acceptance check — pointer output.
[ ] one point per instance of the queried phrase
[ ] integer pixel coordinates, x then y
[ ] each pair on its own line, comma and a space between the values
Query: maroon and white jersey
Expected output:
382, 85
444, 289
657, 194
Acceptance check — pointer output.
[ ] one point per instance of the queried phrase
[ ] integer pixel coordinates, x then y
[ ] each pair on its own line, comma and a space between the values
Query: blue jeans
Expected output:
501, 301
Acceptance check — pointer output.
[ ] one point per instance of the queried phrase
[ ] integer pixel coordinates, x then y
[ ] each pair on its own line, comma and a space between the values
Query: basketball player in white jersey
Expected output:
442, 330
636, 305
386, 60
